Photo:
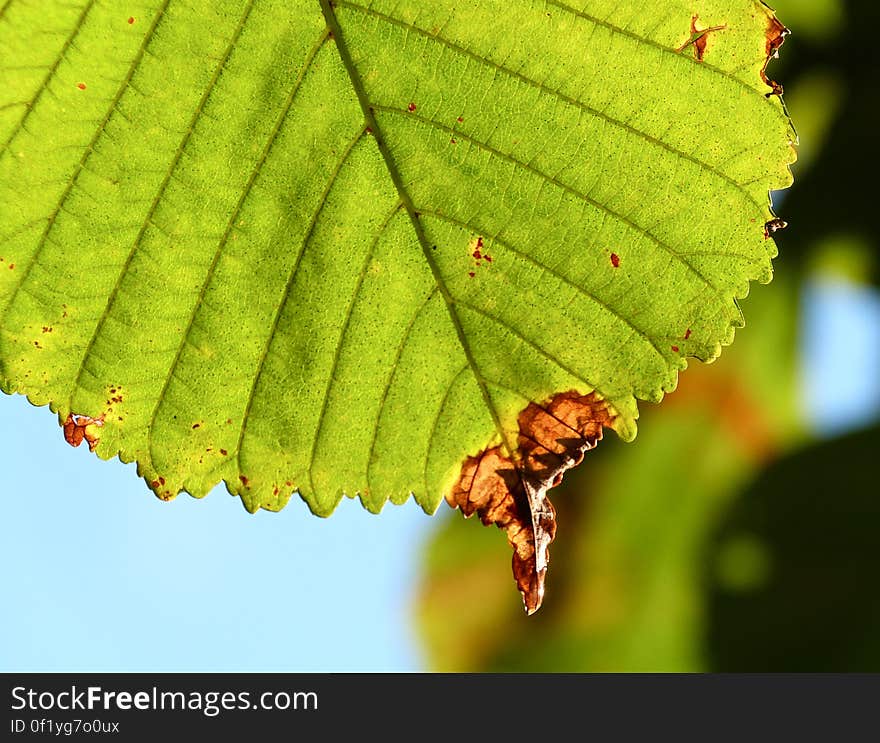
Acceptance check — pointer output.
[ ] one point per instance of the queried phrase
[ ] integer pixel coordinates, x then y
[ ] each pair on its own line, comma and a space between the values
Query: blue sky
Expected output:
100, 575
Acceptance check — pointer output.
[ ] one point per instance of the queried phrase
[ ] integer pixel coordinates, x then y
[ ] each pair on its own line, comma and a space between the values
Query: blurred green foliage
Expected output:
726, 537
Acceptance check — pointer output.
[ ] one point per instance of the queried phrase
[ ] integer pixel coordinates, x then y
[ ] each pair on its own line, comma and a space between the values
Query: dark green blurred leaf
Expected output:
813, 520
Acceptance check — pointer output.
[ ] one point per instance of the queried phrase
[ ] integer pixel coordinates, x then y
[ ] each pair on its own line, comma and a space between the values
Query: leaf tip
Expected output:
509, 490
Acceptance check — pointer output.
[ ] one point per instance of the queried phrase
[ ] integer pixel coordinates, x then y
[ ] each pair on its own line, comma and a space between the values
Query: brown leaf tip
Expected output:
510, 490
776, 34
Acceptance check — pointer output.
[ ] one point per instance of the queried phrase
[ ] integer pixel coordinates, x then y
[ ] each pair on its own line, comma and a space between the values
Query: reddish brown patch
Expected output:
488, 258
675, 349
224, 452
510, 491
196, 425
47, 329
471, 274
76, 429
775, 34
699, 39
130, 21
687, 334
155, 484
411, 107
460, 119
81, 86
452, 141
11, 266
244, 480
615, 260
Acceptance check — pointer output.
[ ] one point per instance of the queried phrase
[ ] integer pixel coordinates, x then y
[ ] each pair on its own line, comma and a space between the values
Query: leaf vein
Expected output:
552, 180
394, 364
538, 264
285, 296
252, 178
339, 345
90, 148
597, 113
31, 105
165, 181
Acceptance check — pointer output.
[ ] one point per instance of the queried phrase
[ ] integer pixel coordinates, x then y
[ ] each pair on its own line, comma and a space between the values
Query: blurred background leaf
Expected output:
742, 530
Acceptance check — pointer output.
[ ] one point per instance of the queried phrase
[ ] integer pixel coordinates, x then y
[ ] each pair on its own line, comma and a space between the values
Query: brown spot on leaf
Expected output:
615, 260
773, 226
699, 39
76, 428
81, 86
244, 480
675, 349
411, 107
510, 490
224, 452
130, 20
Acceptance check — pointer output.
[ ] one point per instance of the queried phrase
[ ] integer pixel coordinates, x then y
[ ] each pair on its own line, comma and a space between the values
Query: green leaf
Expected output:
338, 247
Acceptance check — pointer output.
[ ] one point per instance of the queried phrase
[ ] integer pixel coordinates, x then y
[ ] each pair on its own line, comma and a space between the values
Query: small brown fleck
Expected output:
471, 274
615, 260
223, 452
196, 425
81, 86
244, 480
411, 107
130, 20
675, 349
687, 334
